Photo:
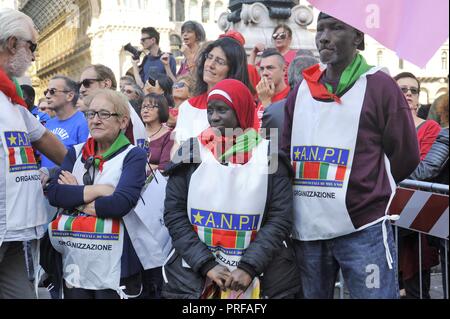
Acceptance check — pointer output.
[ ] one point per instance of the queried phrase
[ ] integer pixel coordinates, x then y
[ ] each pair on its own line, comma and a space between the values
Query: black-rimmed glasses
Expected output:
150, 107
87, 179
103, 115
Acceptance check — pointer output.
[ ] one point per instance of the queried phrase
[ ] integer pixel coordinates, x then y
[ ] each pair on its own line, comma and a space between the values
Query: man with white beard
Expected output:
23, 216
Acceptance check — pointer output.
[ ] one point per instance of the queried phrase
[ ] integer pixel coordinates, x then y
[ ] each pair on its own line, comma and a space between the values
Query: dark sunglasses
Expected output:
87, 179
279, 36
88, 82
54, 91
33, 46
178, 85
146, 38
414, 91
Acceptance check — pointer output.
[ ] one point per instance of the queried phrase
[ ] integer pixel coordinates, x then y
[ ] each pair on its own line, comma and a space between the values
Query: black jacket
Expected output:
270, 256
434, 167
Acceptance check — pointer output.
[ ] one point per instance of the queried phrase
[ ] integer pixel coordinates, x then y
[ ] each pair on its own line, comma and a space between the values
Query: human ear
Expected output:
11, 45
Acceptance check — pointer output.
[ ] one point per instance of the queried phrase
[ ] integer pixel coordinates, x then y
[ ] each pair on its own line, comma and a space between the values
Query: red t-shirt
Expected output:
277, 97
427, 133
288, 58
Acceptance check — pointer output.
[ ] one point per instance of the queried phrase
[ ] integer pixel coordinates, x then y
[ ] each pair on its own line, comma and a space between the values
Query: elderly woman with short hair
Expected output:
98, 184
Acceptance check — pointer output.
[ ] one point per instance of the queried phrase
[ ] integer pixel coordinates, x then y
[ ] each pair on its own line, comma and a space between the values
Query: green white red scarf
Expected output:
90, 146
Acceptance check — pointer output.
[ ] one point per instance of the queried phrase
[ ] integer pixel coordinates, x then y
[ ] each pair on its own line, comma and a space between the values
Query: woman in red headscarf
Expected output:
228, 208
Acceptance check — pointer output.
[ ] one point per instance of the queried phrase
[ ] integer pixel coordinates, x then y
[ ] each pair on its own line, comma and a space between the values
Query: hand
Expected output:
44, 175
89, 209
239, 280
259, 47
165, 59
148, 88
265, 90
219, 274
66, 178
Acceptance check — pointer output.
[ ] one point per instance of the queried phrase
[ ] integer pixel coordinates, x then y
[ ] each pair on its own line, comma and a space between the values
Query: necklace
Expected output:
160, 128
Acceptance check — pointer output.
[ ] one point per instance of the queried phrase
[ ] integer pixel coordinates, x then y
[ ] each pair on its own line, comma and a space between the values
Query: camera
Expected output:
135, 52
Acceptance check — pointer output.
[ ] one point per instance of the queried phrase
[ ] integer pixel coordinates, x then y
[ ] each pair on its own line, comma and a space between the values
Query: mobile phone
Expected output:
151, 81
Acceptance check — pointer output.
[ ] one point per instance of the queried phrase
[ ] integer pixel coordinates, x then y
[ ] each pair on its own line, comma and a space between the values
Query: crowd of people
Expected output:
279, 166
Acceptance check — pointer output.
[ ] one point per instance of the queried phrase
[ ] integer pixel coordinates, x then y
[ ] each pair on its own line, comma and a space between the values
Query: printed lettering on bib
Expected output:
20, 152
320, 166
228, 233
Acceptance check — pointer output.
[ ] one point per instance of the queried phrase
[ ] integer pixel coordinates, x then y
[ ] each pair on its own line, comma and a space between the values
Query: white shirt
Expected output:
36, 131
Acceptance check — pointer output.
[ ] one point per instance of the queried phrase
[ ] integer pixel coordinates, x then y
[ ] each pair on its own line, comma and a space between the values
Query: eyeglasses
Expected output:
54, 91
87, 179
150, 107
414, 91
102, 115
279, 36
178, 85
146, 38
88, 82
217, 60
33, 46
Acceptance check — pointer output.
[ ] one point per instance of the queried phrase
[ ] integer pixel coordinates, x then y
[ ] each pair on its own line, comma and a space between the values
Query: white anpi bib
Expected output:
25, 206
323, 146
226, 203
191, 122
91, 247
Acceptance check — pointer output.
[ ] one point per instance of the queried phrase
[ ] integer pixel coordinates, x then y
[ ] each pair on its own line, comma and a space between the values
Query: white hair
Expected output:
14, 23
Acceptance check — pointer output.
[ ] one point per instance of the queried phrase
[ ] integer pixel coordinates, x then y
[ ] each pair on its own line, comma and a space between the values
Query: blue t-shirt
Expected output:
41, 116
70, 132
154, 66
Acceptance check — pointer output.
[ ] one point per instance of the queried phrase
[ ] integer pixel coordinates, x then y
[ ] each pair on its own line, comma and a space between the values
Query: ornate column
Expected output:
257, 19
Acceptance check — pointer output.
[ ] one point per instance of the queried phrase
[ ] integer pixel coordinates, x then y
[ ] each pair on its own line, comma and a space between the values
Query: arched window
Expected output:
444, 60
193, 10
379, 57
170, 9
218, 8
179, 10
205, 11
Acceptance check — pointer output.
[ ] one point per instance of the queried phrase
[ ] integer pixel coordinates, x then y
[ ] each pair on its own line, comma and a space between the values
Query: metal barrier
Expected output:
424, 209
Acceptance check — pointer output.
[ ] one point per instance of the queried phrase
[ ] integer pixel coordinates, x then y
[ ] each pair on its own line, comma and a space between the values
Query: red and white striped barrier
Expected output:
421, 211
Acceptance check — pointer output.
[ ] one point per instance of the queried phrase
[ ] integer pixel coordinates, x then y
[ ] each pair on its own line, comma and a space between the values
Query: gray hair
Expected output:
300, 63
14, 23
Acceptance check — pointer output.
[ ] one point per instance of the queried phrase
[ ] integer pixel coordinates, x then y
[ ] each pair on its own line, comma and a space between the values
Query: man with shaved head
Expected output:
350, 135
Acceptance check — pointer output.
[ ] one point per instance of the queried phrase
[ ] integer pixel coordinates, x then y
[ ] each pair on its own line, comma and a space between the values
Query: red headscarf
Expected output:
236, 95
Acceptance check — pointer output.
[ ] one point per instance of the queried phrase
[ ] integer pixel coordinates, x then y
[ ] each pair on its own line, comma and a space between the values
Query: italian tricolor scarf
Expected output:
350, 75
234, 149
90, 147
11, 89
